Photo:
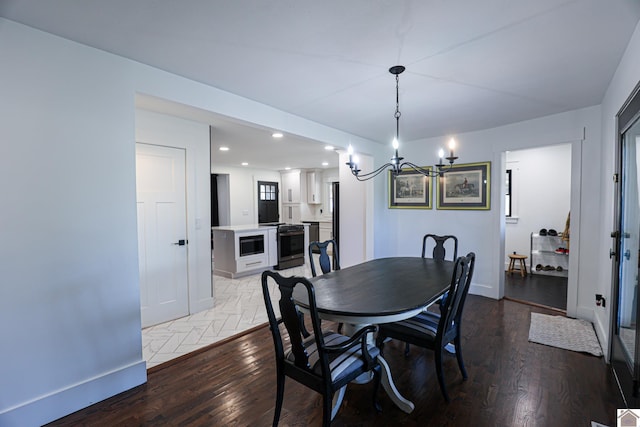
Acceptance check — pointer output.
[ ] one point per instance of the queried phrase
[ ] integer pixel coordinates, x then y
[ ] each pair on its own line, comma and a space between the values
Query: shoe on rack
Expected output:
538, 267
559, 268
560, 250
548, 268
552, 232
543, 232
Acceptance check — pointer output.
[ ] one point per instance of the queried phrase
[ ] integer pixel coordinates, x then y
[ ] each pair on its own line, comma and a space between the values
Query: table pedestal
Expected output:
386, 379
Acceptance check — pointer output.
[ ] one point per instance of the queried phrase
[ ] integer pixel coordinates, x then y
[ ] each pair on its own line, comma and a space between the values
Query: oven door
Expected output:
290, 245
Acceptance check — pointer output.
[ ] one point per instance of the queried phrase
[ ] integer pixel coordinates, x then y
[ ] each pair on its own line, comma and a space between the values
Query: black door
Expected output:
215, 219
267, 202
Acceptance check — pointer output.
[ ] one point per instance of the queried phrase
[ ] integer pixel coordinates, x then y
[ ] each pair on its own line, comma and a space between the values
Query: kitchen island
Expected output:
240, 250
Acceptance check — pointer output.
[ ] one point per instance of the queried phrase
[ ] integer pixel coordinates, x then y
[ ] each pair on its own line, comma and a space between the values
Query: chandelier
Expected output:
396, 164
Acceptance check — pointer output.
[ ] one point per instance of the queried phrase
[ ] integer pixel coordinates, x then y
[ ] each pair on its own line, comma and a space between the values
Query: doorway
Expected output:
539, 180
625, 358
162, 233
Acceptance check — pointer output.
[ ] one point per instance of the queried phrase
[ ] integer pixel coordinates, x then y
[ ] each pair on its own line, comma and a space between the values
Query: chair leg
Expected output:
380, 342
377, 376
279, 398
339, 328
327, 401
458, 345
440, 373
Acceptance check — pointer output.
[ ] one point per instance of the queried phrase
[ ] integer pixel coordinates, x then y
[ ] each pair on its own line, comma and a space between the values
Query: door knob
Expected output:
627, 254
181, 242
612, 253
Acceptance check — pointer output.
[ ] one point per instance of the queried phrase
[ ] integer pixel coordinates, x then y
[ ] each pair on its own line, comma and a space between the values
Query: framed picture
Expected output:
465, 186
409, 190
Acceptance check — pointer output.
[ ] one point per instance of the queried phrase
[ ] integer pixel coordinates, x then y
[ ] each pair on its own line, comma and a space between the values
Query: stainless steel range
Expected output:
290, 246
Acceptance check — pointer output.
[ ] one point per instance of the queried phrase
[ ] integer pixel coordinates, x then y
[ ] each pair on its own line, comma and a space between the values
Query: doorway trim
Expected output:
575, 206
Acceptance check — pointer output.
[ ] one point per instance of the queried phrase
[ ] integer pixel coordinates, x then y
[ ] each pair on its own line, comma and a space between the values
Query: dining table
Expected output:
378, 291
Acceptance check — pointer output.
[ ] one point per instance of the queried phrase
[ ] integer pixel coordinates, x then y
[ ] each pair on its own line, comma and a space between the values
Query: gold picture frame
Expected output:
465, 187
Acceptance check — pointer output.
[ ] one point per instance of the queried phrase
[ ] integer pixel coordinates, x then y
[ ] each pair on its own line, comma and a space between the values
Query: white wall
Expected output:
160, 129
541, 187
483, 231
70, 298
243, 191
625, 79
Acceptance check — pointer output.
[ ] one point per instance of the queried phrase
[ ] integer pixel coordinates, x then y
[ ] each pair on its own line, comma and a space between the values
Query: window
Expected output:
507, 204
330, 196
267, 192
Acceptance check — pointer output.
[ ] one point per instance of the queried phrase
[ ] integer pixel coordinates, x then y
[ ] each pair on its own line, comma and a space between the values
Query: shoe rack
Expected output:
549, 256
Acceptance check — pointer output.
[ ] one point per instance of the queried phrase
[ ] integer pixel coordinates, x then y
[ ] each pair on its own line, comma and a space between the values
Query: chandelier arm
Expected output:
425, 172
366, 176
396, 163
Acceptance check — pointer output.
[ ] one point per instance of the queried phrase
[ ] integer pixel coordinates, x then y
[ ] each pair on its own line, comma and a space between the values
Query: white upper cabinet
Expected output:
291, 187
314, 188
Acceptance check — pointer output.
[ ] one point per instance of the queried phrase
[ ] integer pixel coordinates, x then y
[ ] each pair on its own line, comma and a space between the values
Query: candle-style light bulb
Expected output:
441, 155
350, 150
452, 145
395, 143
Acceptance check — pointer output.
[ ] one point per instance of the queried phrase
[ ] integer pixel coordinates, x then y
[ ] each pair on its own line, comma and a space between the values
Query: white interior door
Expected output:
162, 233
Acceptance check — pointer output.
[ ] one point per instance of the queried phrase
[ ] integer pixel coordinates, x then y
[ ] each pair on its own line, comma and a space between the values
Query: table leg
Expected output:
388, 385
337, 401
386, 379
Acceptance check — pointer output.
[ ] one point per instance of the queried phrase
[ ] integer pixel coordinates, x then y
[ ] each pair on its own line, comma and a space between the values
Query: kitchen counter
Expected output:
239, 250
246, 227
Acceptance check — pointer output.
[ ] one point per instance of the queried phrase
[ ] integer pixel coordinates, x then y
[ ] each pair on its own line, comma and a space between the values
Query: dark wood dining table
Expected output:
379, 291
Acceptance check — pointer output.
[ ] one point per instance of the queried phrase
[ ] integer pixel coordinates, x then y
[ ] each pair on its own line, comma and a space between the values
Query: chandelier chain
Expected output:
397, 114
396, 163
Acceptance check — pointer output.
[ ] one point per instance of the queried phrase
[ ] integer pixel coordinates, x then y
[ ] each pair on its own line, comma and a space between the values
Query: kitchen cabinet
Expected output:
272, 243
549, 256
242, 250
314, 188
292, 213
326, 232
291, 187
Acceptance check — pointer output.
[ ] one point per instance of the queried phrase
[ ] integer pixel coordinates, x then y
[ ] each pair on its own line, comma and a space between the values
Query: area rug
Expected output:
563, 332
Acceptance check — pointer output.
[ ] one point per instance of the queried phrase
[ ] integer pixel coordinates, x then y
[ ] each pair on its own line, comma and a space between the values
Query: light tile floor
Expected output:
238, 306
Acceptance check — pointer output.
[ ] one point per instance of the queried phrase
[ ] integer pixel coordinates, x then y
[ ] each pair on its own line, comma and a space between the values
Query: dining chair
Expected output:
324, 361
439, 251
434, 331
324, 261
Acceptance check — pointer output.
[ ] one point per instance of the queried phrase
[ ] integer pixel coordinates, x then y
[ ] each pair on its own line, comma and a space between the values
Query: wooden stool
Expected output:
512, 264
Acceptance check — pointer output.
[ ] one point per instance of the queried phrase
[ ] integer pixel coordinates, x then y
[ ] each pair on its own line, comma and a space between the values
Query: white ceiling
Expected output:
470, 64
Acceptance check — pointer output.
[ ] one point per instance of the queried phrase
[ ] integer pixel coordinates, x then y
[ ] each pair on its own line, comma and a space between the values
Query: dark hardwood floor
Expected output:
549, 291
512, 382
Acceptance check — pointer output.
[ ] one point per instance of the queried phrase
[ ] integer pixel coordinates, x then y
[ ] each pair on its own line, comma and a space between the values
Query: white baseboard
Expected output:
60, 403
483, 290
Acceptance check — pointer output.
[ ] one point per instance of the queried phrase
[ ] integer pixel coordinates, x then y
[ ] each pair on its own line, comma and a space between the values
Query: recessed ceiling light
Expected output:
288, 168
325, 163
329, 147
277, 135
224, 148
245, 164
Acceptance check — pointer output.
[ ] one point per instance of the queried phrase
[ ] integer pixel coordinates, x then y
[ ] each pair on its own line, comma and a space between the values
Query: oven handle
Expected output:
291, 233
